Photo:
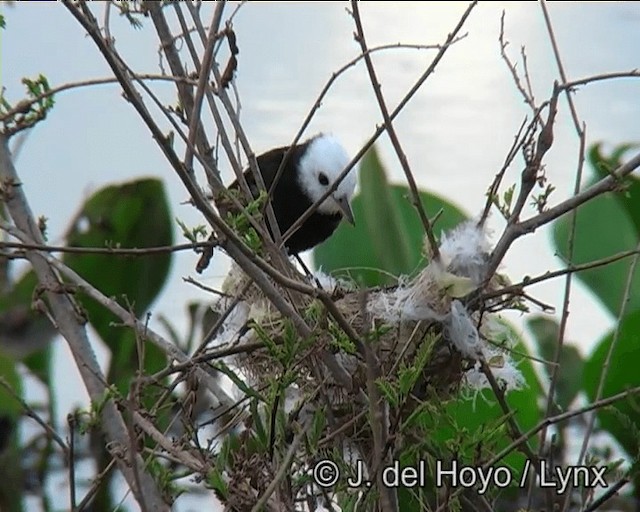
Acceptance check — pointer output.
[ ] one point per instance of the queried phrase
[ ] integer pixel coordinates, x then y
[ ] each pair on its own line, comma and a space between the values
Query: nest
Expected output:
420, 328
421, 321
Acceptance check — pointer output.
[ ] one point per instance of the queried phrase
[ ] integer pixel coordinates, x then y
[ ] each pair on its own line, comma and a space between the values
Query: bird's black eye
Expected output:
322, 178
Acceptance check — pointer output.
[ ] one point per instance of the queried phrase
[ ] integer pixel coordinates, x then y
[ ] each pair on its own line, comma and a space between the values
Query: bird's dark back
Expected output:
288, 200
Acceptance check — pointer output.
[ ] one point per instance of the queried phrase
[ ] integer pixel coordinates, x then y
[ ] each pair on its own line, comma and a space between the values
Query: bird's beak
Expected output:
345, 208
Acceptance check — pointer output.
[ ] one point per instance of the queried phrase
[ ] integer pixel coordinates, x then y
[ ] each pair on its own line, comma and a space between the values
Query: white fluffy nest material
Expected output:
417, 311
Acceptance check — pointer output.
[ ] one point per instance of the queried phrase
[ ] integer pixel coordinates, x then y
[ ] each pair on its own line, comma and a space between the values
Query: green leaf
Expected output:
623, 374
387, 240
382, 216
131, 215
569, 374
629, 198
605, 226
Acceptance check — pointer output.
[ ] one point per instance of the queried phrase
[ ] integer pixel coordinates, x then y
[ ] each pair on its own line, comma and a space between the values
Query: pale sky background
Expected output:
455, 132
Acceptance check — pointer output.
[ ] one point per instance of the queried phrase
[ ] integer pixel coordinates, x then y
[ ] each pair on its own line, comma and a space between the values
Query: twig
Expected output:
607, 361
72, 328
115, 251
611, 492
36, 417
334, 76
529, 281
279, 259
282, 470
416, 86
526, 94
516, 433
207, 62
415, 195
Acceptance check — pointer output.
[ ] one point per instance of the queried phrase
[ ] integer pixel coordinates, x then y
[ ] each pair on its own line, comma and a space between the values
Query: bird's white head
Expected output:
319, 167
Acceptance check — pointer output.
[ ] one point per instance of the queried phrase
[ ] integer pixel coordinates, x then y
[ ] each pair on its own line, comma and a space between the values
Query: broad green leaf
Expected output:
382, 217
622, 374
605, 226
388, 238
569, 375
132, 215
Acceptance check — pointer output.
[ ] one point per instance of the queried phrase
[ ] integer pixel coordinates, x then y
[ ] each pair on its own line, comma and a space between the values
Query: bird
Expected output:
310, 169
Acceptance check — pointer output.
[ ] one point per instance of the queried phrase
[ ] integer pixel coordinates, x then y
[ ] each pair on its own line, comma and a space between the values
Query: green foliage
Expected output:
131, 215
10, 408
613, 220
504, 205
622, 374
387, 240
27, 113
194, 235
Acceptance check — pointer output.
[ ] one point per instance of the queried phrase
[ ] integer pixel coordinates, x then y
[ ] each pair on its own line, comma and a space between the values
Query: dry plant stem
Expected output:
118, 251
551, 420
172, 352
607, 362
280, 260
375, 84
72, 461
96, 483
282, 470
607, 184
611, 492
26, 103
515, 433
272, 249
202, 91
185, 93
514, 231
208, 336
72, 328
168, 445
526, 94
568, 281
495, 185
570, 85
378, 416
528, 281
203, 70
430, 69
334, 76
